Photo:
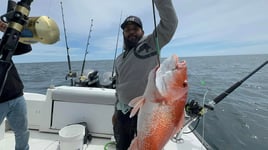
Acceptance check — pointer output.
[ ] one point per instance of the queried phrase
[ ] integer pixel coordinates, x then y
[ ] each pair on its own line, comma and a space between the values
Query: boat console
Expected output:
65, 105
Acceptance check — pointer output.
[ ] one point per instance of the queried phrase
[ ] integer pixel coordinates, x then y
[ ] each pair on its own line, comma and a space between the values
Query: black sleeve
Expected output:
22, 49
13, 87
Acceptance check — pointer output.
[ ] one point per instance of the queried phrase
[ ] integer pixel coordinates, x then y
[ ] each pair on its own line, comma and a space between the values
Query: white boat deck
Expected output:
47, 141
84, 103
50, 141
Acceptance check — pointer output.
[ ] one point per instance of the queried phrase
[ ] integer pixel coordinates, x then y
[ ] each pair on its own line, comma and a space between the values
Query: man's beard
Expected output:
131, 43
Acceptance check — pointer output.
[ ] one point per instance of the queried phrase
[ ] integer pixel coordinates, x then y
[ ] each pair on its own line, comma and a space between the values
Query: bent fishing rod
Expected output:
70, 74
194, 110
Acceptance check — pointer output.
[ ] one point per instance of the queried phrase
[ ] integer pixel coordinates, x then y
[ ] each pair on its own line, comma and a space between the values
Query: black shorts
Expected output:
125, 129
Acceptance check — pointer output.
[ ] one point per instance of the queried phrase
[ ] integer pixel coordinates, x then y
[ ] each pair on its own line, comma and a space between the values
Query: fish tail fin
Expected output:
136, 103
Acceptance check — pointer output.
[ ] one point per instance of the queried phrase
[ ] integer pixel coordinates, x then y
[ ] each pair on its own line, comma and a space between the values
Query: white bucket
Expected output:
72, 137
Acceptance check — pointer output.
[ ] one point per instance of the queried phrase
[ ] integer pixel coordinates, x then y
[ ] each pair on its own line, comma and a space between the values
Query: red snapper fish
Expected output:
161, 108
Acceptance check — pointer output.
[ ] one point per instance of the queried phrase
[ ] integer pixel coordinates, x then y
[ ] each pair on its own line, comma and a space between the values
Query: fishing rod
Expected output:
86, 51
156, 34
220, 97
70, 74
116, 46
10, 39
195, 111
16, 20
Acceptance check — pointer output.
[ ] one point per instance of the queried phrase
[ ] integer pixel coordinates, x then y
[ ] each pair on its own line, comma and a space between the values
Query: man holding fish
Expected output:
133, 66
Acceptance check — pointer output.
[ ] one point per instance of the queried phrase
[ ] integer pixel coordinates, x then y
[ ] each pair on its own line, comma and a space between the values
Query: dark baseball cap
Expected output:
132, 19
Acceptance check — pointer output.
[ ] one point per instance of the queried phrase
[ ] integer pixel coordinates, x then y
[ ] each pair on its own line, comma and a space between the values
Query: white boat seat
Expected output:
90, 95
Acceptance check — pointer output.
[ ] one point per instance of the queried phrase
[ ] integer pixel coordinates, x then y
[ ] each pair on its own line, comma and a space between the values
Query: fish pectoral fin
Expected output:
136, 103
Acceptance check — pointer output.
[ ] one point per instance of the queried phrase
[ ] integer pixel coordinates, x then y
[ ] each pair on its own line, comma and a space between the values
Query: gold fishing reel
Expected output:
40, 29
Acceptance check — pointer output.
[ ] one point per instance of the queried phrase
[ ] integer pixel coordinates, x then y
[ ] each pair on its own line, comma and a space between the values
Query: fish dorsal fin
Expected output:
136, 103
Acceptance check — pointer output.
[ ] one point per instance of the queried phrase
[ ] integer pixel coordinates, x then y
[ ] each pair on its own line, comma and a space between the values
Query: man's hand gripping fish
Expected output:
161, 108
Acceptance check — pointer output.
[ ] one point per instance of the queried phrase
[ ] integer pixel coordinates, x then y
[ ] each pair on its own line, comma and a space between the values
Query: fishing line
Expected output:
195, 111
200, 83
156, 34
194, 128
203, 128
198, 119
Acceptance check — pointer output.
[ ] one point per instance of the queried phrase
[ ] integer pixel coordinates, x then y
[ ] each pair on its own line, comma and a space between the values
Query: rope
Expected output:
107, 144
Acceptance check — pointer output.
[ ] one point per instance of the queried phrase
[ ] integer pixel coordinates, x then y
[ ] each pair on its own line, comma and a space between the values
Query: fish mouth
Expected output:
177, 65
172, 76
180, 66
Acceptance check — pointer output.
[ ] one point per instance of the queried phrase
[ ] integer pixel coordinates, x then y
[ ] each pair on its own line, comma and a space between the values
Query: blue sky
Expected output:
206, 27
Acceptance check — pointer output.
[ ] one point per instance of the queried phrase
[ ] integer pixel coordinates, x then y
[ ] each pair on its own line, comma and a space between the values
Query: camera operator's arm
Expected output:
21, 48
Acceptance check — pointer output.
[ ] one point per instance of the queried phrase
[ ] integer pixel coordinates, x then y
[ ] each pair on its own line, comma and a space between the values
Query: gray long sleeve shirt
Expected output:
133, 69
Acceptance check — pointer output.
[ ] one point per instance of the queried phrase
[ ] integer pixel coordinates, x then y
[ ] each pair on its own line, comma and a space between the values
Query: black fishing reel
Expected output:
93, 79
193, 109
90, 80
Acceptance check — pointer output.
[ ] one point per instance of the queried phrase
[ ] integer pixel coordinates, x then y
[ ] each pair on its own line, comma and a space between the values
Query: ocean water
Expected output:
239, 122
